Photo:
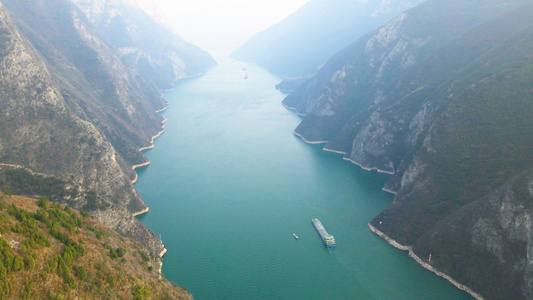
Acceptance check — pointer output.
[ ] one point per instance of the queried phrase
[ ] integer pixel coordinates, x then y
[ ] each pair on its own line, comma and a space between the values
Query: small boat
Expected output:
295, 236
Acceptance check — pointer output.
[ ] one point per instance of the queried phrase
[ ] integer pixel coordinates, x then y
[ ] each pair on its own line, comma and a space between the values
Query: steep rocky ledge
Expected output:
73, 112
144, 42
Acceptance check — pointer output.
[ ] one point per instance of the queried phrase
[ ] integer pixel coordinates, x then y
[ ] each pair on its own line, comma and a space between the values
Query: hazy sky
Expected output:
220, 26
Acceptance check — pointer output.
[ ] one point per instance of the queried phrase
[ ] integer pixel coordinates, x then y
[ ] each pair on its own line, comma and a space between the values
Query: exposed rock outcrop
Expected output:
441, 97
70, 108
144, 41
298, 46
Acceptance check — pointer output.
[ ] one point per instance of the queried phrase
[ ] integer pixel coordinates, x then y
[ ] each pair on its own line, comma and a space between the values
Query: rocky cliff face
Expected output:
144, 41
439, 97
492, 238
71, 109
375, 98
299, 45
96, 85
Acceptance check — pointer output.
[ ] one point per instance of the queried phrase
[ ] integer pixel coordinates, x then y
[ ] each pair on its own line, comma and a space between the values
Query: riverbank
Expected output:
334, 151
142, 212
386, 190
366, 168
343, 153
424, 264
309, 142
152, 145
294, 109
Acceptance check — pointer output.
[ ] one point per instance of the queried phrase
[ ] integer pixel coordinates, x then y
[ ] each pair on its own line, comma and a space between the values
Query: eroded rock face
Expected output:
143, 40
495, 242
70, 108
298, 46
129, 226
383, 73
441, 98
372, 143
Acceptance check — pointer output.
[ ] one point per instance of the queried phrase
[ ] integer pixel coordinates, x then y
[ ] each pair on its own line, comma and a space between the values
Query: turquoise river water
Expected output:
229, 184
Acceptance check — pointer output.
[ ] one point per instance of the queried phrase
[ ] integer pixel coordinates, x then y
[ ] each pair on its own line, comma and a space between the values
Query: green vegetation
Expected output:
23, 182
49, 251
141, 292
449, 102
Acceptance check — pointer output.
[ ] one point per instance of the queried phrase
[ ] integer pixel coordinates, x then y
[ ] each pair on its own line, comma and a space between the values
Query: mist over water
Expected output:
220, 27
229, 184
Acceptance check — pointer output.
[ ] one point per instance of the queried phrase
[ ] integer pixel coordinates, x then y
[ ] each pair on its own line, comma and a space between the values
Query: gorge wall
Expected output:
441, 97
74, 109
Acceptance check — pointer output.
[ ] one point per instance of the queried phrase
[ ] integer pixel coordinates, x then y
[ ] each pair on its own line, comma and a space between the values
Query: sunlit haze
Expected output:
220, 26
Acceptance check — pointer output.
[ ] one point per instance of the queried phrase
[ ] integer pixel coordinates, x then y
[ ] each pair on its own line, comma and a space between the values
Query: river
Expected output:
229, 184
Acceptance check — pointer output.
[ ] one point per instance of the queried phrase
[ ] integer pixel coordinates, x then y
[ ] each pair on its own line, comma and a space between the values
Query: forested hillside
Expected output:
49, 251
441, 98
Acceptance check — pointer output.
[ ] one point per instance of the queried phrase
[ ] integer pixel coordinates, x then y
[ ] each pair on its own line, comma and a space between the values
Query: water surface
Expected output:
229, 184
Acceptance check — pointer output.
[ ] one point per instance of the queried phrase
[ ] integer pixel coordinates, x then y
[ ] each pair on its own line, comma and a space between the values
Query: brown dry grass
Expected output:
127, 272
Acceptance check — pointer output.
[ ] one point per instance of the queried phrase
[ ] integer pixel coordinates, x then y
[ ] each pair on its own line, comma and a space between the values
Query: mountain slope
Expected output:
145, 43
93, 80
74, 112
52, 252
440, 97
300, 44
40, 132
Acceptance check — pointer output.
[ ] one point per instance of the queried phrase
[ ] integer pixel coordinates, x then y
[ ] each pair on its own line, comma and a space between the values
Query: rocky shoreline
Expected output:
164, 108
334, 151
293, 108
389, 191
366, 168
147, 148
152, 141
309, 142
345, 158
142, 212
424, 264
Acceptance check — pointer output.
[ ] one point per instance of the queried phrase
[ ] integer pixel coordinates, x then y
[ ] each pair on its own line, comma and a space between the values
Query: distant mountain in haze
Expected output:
138, 31
297, 46
79, 93
441, 97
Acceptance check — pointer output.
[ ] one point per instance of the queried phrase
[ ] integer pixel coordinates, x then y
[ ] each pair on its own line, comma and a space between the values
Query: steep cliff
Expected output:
72, 110
492, 242
392, 81
441, 98
145, 42
41, 133
96, 85
299, 45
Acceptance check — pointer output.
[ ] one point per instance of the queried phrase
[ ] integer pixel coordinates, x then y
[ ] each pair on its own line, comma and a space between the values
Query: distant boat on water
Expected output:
295, 236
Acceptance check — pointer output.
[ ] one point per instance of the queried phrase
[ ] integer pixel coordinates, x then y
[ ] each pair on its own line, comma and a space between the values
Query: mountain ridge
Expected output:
439, 97
74, 109
299, 45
